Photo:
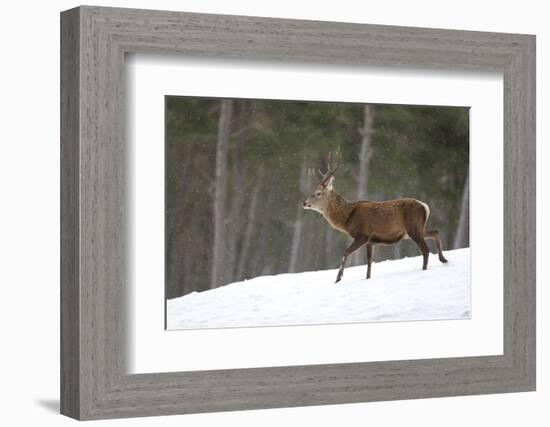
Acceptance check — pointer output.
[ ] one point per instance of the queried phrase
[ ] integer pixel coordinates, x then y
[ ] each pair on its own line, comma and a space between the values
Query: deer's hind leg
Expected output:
418, 238
370, 252
434, 234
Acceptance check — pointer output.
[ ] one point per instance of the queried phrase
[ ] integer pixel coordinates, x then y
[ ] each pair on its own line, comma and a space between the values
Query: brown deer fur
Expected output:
370, 223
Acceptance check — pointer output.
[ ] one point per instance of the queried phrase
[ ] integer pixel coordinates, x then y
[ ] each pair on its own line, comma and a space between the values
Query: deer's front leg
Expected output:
356, 244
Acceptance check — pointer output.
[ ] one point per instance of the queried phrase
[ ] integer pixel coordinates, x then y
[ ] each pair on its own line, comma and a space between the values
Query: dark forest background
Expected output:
237, 174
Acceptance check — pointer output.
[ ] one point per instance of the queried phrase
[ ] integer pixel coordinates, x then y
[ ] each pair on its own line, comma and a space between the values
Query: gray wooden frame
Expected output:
94, 41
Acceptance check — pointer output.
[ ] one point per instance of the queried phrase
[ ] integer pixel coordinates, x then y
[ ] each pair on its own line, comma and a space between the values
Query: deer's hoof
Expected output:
338, 279
443, 260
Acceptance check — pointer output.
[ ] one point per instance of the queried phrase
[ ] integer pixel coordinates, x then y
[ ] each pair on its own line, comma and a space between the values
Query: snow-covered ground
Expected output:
398, 290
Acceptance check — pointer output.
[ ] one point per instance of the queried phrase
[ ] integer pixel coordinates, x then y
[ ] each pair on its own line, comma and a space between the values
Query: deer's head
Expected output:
319, 199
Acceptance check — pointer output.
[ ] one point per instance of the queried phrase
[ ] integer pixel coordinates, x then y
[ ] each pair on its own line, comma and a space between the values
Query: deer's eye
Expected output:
318, 194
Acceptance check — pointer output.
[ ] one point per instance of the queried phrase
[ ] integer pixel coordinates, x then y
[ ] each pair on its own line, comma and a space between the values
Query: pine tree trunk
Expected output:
249, 230
359, 257
365, 153
261, 262
218, 249
331, 257
295, 245
235, 218
298, 224
174, 243
461, 239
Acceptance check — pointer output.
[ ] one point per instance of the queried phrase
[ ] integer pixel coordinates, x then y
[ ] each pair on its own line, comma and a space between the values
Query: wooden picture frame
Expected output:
94, 41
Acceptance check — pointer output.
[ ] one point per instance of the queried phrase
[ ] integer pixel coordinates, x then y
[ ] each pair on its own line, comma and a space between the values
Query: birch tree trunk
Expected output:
298, 223
462, 230
218, 249
364, 158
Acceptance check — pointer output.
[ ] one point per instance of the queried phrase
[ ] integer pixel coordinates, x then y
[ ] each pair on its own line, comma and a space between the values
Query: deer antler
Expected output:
330, 170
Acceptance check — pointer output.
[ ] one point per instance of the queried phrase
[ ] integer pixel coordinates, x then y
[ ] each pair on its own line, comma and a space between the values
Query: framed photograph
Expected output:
262, 213
240, 173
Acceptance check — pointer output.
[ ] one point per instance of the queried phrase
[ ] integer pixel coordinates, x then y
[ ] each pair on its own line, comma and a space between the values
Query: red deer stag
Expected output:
370, 222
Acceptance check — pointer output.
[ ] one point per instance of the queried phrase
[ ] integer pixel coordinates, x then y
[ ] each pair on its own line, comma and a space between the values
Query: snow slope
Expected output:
398, 290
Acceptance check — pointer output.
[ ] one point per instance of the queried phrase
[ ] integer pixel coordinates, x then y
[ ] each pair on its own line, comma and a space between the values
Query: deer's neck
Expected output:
337, 211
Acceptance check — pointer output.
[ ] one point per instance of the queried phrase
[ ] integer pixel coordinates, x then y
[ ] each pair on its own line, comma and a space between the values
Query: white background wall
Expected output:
29, 211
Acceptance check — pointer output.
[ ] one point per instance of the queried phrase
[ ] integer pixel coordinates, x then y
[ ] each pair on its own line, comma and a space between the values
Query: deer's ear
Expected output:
330, 183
